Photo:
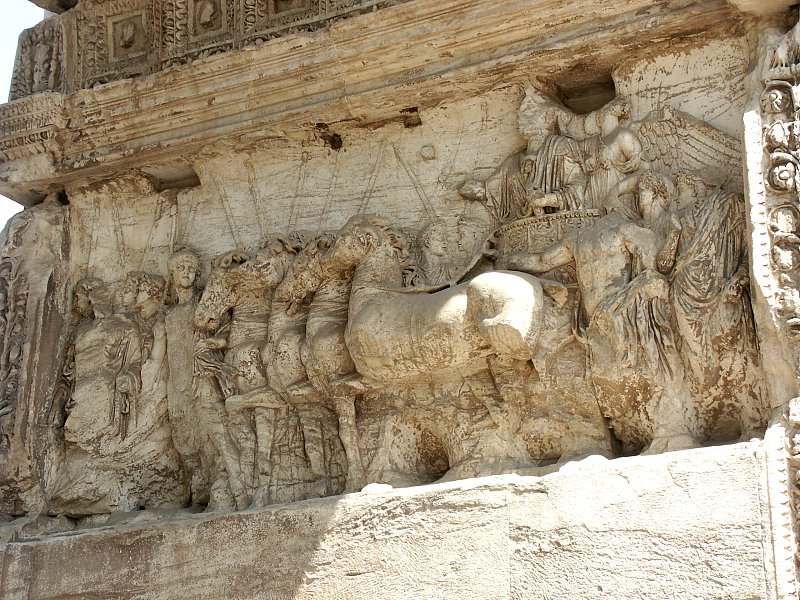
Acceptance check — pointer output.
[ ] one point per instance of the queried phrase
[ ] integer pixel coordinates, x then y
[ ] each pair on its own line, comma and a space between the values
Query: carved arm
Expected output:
557, 255
665, 259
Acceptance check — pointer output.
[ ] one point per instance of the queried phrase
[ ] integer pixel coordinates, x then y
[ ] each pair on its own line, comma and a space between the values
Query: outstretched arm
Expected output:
557, 255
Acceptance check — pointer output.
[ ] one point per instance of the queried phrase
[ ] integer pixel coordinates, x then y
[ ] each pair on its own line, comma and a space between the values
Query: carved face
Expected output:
183, 271
613, 114
434, 241
144, 299
129, 292
650, 204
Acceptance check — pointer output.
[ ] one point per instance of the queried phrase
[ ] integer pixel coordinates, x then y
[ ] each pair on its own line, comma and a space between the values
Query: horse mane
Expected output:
398, 240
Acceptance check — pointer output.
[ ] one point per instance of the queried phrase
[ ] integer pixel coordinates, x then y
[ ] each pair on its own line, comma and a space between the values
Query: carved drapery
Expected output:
305, 362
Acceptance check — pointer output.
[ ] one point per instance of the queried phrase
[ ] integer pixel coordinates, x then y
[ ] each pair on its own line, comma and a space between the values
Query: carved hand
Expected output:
542, 200
675, 221
656, 285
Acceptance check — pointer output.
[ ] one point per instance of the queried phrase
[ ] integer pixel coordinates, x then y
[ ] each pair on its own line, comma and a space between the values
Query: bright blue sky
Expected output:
15, 16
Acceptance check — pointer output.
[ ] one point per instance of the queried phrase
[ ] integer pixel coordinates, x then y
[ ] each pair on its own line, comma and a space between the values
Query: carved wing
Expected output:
676, 141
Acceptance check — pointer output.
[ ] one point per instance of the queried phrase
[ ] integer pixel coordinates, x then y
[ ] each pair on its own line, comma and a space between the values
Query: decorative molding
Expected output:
287, 83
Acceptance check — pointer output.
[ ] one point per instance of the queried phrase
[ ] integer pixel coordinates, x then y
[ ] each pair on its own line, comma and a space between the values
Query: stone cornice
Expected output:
55, 6
364, 70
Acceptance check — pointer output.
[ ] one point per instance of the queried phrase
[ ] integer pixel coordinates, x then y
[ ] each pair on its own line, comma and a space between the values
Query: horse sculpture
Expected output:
330, 370
242, 288
393, 335
286, 373
286, 383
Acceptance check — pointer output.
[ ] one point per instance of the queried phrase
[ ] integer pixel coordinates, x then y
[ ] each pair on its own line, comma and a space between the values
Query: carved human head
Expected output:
142, 290
618, 107
654, 196
612, 114
690, 187
151, 289
434, 239
184, 269
87, 302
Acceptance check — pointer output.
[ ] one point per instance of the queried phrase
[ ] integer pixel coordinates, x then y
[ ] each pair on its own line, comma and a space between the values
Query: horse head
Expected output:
272, 263
215, 301
306, 273
218, 297
366, 235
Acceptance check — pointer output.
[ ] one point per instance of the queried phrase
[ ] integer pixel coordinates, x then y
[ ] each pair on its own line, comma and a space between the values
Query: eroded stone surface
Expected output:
680, 525
432, 243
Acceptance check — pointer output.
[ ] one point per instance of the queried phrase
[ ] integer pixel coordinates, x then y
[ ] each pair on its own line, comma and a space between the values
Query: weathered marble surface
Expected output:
680, 525
429, 243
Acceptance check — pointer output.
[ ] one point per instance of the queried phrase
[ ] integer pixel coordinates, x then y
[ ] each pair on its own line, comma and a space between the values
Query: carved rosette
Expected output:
780, 108
114, 41
780, 117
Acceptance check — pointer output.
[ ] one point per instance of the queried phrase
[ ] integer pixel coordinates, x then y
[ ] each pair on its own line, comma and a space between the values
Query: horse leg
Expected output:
265, 419
346, 412
509, 376
311, 423
244, 437
214, 421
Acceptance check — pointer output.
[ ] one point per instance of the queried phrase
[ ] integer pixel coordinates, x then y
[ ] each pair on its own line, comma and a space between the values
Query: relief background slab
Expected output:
390, 113
631, 528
